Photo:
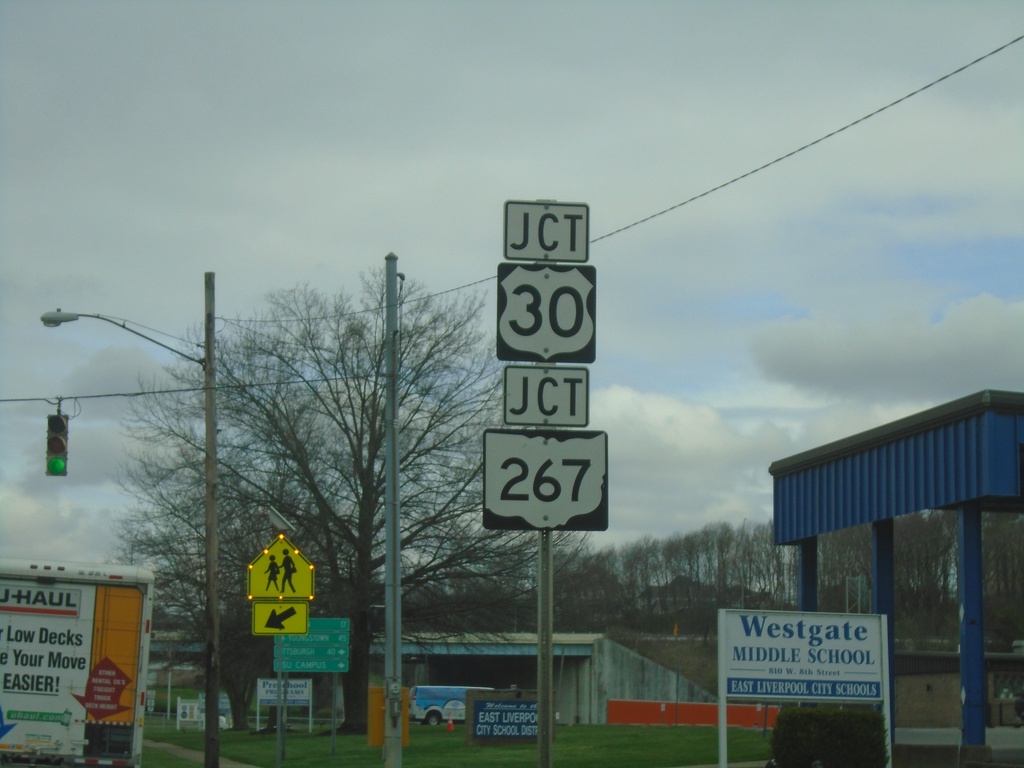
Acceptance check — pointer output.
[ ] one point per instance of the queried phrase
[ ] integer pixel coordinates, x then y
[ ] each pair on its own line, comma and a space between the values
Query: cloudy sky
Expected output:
870, 276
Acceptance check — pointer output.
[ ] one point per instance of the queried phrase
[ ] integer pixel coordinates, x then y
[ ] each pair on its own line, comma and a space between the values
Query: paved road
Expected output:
1007, 743
191, 754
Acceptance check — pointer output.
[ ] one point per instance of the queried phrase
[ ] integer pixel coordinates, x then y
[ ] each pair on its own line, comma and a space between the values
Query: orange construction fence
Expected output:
622, 712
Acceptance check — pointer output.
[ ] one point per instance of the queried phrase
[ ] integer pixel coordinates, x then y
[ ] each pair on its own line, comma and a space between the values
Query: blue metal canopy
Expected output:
965, 453
965, 456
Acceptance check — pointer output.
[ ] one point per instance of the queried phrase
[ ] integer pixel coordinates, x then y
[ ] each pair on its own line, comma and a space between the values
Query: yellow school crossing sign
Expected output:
280, 572
280, 617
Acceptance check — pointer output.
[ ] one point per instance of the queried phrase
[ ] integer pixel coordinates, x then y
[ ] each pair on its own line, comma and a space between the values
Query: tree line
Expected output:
677, 583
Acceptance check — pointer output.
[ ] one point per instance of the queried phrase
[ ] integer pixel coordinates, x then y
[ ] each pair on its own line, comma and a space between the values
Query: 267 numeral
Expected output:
545, 486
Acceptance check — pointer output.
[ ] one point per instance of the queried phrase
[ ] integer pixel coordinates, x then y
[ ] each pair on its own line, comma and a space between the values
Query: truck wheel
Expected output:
433, 717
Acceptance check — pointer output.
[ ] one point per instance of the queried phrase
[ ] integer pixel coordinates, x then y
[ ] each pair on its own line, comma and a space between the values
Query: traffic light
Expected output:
57, 444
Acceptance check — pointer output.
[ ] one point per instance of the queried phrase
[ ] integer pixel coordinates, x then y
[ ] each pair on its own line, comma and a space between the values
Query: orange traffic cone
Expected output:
451, 725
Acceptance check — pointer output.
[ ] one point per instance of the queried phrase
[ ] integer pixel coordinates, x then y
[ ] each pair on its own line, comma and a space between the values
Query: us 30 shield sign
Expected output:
545, 478
546, 313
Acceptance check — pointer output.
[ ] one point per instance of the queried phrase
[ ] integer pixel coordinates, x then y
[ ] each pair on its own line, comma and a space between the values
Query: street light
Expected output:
208, 362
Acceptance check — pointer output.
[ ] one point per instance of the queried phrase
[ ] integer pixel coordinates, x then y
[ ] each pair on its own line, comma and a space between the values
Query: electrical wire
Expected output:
810, 144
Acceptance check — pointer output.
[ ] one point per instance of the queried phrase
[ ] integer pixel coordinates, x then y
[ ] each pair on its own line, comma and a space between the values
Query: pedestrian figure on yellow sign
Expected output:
272, 570
288, 566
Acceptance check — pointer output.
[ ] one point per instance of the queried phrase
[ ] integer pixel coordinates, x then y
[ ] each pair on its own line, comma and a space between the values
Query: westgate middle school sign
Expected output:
802, 656
778, 655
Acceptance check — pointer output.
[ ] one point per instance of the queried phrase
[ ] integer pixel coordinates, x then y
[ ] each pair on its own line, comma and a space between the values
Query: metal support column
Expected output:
972, 627
807, 596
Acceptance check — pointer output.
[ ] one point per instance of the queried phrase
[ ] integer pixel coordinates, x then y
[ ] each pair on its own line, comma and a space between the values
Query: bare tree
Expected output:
301, 432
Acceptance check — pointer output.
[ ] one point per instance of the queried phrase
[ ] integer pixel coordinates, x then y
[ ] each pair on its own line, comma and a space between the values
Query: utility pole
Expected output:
392, 529
212, 655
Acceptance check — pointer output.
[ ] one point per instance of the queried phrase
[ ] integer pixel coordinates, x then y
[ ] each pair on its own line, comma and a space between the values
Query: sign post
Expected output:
546, 479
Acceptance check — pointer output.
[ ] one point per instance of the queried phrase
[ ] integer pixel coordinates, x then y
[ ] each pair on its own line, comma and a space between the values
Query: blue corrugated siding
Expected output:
951, 465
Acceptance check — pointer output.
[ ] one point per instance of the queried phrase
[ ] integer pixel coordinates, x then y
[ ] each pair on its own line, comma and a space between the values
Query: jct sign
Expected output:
547, 396
536, 230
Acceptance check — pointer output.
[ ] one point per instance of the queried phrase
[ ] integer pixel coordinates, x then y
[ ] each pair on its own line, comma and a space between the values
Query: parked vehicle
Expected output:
74, 650
433, 704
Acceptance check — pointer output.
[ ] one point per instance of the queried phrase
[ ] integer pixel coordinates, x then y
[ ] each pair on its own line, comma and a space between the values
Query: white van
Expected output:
433, 704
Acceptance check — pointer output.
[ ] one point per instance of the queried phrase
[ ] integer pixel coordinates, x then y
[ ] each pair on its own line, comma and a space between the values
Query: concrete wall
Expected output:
933, 701
928, 701
616, 672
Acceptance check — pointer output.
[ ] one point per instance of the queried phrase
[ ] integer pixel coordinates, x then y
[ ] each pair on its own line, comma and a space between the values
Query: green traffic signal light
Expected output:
57, 445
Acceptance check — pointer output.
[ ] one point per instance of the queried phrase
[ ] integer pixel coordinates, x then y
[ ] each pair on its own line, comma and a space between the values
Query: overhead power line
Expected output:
778, 159
810, 144
749, 173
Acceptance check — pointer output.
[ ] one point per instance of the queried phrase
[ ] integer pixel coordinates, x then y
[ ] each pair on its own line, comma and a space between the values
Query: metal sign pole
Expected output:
545, 679
281, 719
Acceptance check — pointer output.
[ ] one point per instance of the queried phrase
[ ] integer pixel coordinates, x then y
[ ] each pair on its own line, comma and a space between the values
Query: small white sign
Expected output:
538, 230
547, 396
299, 692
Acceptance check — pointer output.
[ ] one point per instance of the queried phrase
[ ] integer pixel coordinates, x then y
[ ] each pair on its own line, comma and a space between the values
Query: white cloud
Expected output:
675, 466
902, 357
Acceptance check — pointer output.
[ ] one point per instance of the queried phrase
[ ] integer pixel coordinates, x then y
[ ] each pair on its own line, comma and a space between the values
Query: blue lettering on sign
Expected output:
815, 634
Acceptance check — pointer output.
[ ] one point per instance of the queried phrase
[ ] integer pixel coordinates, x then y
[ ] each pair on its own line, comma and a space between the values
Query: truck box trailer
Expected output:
74, 651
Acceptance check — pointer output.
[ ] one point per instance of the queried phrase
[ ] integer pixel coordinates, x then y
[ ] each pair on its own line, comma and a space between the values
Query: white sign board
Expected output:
545, 396
542, 478
801, 656
546, 313
537, 230
299, 693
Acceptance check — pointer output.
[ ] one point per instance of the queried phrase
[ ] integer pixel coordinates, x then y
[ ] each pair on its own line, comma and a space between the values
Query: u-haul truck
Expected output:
74, 650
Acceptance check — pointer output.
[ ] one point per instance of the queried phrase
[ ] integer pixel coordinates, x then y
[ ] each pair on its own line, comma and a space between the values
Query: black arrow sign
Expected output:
276, 620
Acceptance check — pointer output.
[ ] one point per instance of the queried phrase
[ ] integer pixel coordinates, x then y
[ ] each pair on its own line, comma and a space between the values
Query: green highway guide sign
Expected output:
314, 637
328, 625
288, 651
324, 648
311, 665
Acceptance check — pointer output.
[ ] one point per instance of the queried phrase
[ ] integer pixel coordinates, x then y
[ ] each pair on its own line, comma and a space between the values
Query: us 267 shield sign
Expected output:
546, 313
545, 478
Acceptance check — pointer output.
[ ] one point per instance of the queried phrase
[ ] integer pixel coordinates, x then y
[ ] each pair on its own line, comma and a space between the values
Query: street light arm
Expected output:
53, 319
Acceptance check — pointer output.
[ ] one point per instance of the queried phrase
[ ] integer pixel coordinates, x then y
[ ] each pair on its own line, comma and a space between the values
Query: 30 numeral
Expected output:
533, 308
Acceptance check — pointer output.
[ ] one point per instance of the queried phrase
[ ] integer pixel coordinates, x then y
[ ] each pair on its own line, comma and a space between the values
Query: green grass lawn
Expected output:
581, 746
